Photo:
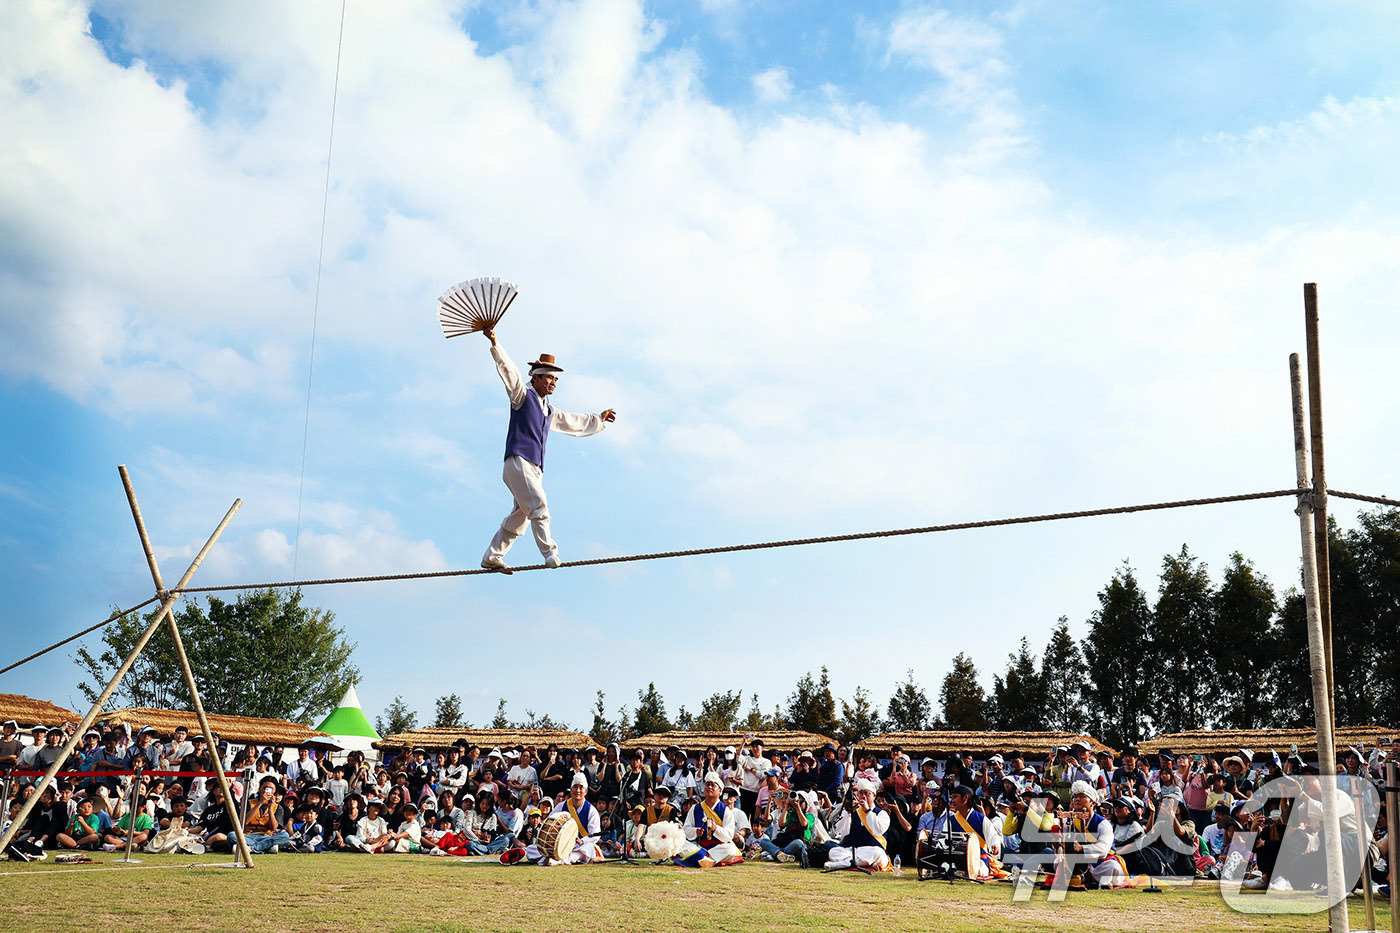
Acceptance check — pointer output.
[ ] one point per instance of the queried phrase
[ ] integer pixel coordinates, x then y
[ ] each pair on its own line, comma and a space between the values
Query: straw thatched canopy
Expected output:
436, 738
29, 712
233, 728
1035, 745
1230, 741
698, 741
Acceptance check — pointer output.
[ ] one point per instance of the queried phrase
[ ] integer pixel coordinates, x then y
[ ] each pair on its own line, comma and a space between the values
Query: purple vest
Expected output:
529, 430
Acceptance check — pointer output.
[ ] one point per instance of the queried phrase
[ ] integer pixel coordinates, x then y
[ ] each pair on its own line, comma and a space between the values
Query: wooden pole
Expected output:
1337, 888
1319, 476
167, 601
188, 671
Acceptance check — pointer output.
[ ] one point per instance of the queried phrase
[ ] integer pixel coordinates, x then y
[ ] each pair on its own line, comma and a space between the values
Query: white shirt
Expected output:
337, 790
526, 776
751, 771
368, 829
575, 425
722, 833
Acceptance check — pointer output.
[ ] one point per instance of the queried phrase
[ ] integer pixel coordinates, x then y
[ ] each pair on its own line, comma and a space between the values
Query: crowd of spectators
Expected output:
1170, 814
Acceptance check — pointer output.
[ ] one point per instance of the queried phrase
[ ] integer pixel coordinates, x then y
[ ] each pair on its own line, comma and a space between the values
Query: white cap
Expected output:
579, 780
1085, 788
863, 784
713, 778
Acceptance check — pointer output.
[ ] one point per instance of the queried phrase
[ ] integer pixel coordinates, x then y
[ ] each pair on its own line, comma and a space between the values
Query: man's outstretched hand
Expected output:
609, 415
490, 333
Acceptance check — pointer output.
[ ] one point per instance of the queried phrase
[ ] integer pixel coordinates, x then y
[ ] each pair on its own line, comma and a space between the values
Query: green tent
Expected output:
348, 723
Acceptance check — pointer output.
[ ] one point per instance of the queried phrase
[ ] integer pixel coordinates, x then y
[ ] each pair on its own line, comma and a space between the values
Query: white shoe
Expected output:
552, 561
275, 849
496, 564
1280, 884
784, 857
1254, 884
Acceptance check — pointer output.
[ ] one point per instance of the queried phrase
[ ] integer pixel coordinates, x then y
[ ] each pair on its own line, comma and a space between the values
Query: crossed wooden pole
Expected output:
163, 614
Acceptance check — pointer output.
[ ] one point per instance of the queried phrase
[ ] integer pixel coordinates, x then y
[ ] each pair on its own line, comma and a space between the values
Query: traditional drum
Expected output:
976, 868
557, 836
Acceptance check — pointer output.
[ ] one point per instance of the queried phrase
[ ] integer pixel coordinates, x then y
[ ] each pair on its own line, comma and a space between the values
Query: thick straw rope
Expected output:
766, 545
1379, 500
730, 549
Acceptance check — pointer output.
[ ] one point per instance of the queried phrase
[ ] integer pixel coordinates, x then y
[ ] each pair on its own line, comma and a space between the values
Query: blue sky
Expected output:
837, 268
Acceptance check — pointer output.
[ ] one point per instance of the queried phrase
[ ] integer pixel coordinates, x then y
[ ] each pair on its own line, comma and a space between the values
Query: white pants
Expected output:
723, 851
1106, 872
586, 851
863, 856
526, 483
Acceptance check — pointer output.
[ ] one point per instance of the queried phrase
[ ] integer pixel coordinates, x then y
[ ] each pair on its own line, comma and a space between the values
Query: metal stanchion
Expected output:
131, 821
5, 793
1358, 801
243, 813
1392, 804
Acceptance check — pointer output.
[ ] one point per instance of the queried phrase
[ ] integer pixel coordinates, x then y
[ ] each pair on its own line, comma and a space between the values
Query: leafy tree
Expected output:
449, 712
397, 718
1243, 646
152, 680
1116, 651
859, 719
602, 730
1355, 637
685, 720
1018, 699
263, 655
650, 715
811, 707
755, 721
909, 708
501, 720
1180, 646
964, 702
719, 712
535, 720
1289, 678
623, 724
1062, 678
1378, 558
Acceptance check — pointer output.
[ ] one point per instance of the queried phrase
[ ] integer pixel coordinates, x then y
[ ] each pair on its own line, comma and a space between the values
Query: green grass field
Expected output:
418, 894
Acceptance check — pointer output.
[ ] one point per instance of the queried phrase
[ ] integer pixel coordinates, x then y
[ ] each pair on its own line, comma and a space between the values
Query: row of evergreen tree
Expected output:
1229, 655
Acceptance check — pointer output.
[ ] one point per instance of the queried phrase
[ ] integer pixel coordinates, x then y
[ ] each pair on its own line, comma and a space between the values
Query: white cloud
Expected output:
773, 84
749, 294
969, 55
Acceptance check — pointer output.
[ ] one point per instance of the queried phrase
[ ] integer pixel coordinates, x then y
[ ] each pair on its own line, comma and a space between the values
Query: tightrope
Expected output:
92, 628
1378, 500
759, 546
723, 549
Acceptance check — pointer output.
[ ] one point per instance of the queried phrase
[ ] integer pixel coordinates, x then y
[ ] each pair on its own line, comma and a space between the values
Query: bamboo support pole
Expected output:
1337, 889
204, 728
90, 717
1321, 537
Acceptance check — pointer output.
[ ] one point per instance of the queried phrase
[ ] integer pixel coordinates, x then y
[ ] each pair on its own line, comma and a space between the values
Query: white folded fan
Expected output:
474, 305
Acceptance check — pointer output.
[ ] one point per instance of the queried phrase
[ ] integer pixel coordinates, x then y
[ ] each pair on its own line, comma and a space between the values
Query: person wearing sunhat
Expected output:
532, 419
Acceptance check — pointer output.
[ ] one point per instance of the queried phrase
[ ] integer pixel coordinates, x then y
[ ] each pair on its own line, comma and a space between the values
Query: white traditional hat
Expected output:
713, 778
863, 784
1085, 788
580, 780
